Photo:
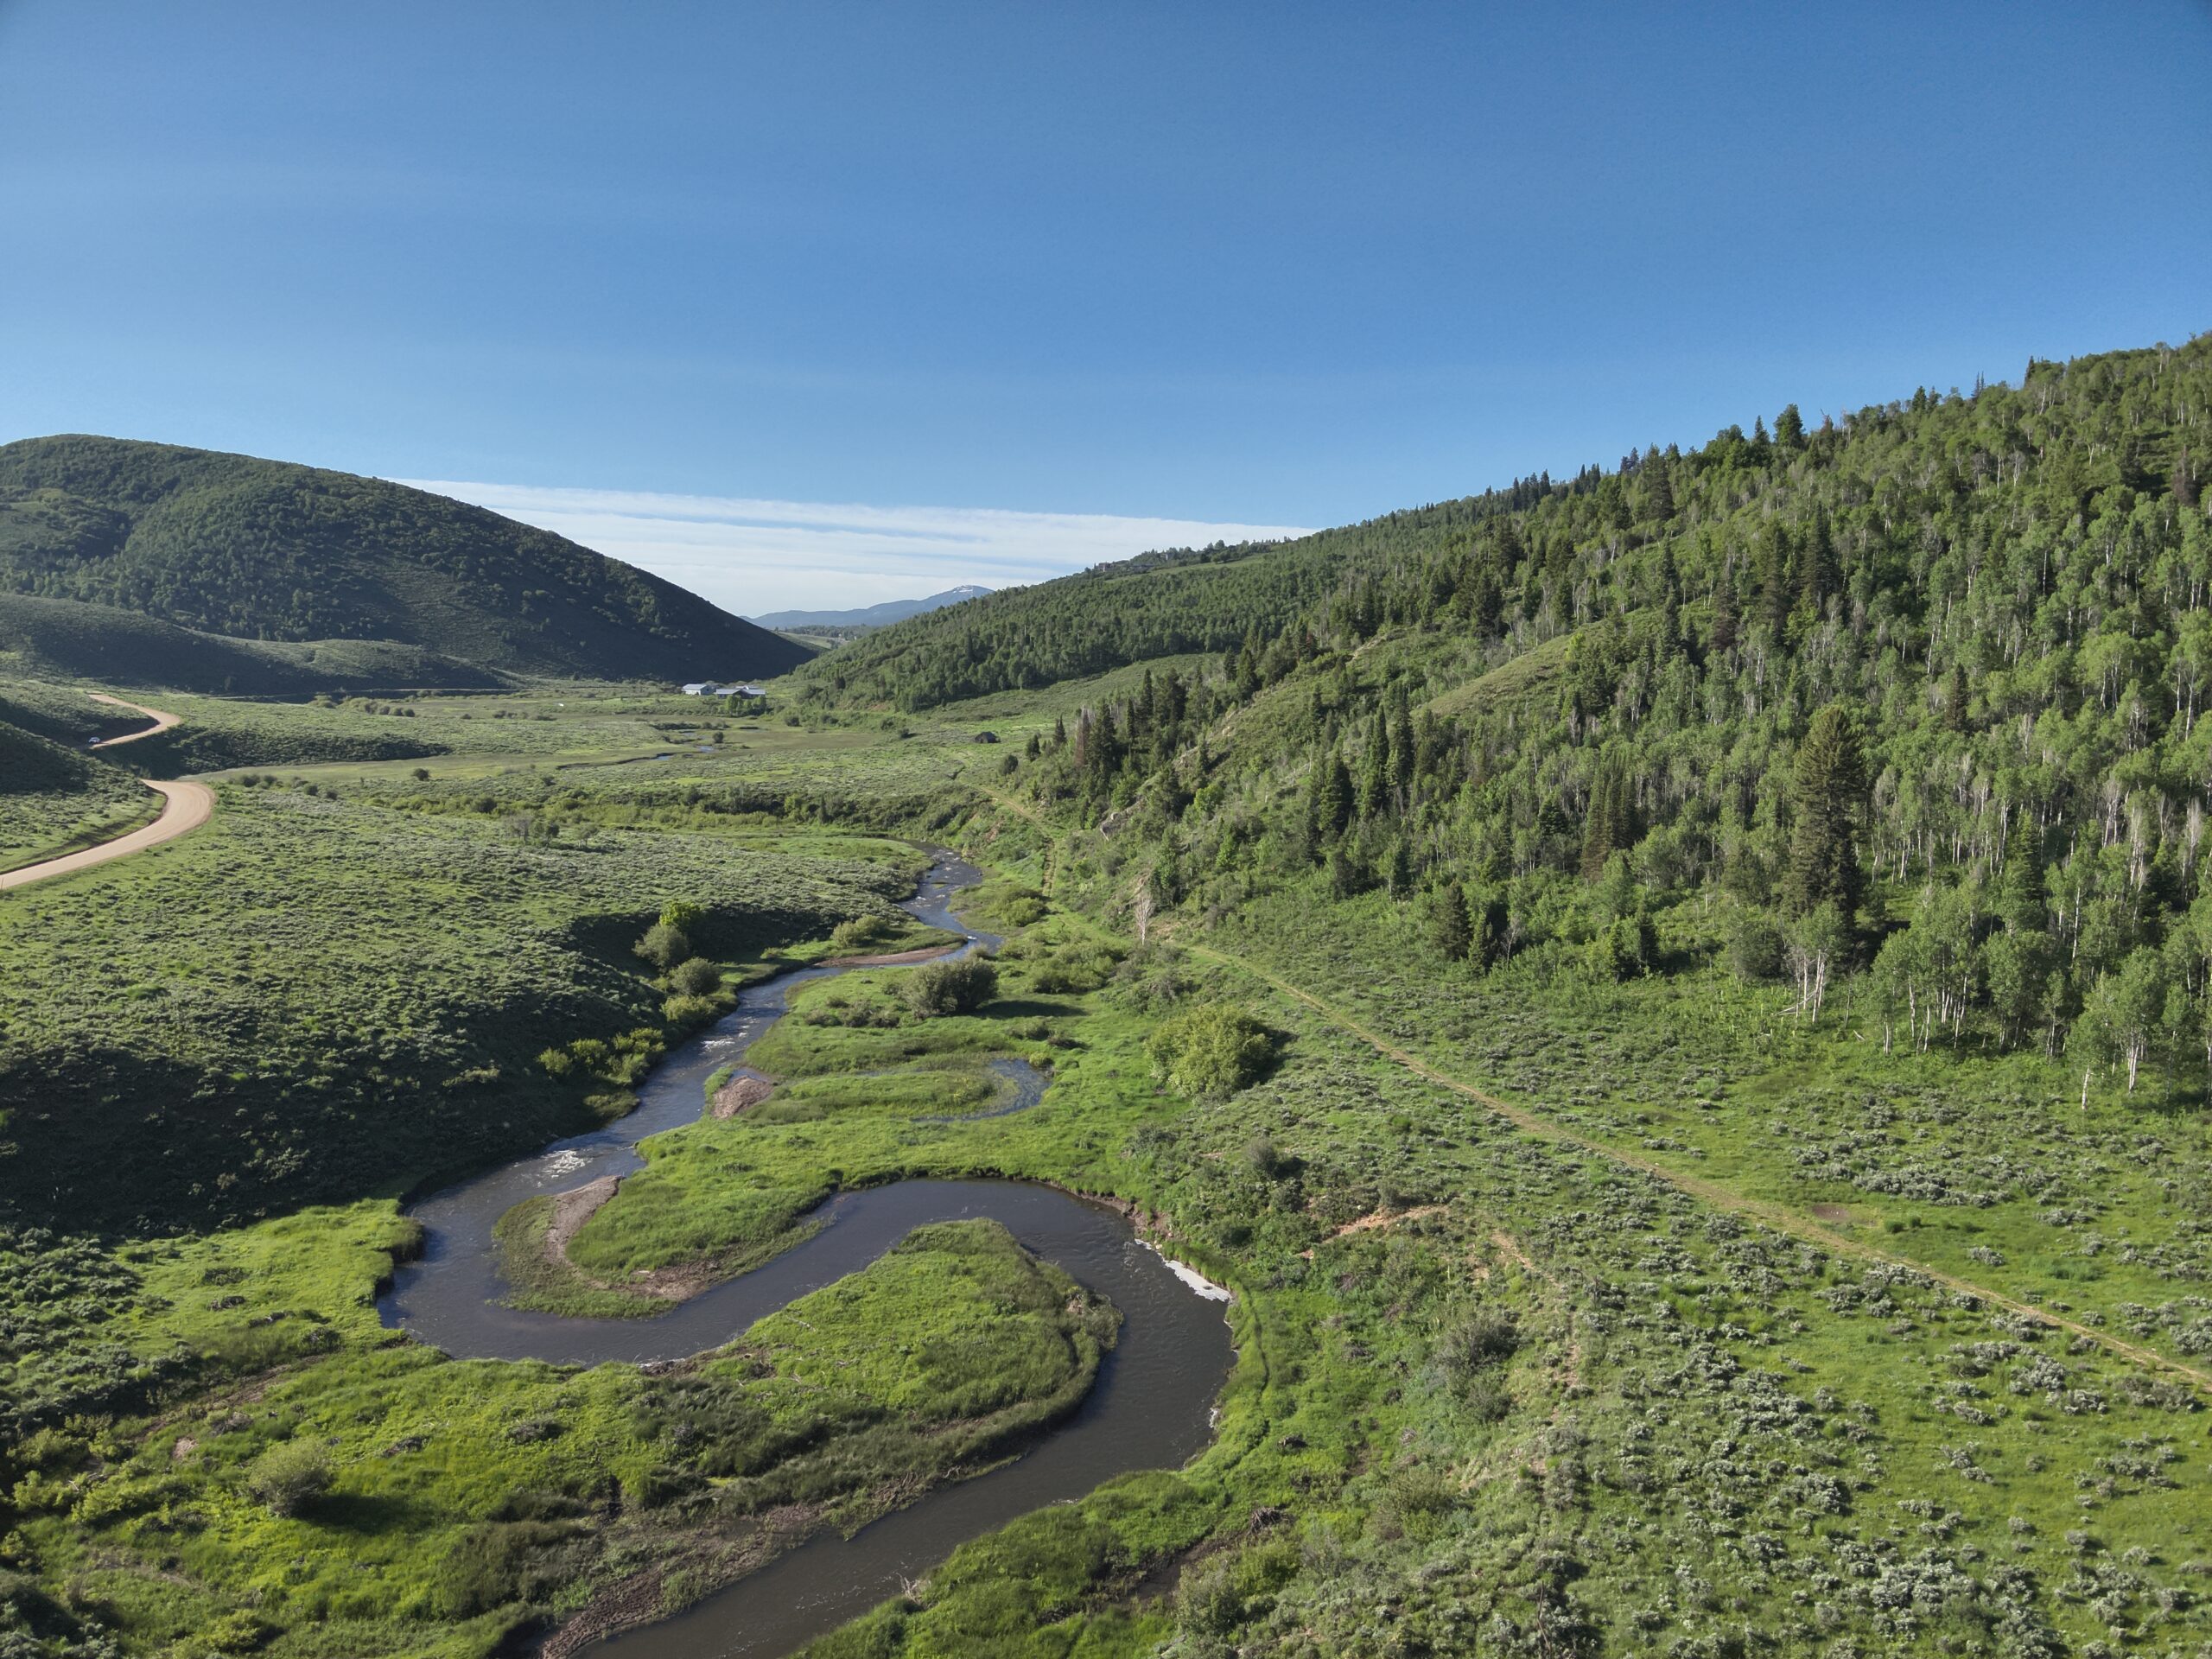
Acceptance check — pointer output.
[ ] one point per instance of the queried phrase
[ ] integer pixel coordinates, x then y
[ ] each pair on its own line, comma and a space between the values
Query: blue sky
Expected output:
1263, 266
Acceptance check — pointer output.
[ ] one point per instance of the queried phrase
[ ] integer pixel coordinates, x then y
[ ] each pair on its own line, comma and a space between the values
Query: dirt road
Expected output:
185, 806
161, 719
188, 806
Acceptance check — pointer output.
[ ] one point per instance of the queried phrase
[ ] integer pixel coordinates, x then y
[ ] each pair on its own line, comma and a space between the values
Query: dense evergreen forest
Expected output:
266, 551
1911, 696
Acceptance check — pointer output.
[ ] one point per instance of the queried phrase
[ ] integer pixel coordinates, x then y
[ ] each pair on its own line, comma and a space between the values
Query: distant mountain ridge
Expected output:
243, 549
872, 616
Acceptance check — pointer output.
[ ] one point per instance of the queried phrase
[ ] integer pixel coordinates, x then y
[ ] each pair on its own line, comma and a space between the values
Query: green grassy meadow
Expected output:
1596, 1390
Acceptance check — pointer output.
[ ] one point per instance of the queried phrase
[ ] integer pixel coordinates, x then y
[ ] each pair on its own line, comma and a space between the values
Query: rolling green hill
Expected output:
1160, 604
30, 763
66, 638
267, 551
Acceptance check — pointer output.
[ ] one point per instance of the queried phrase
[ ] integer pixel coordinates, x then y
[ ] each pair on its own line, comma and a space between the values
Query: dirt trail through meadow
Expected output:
1780, 1217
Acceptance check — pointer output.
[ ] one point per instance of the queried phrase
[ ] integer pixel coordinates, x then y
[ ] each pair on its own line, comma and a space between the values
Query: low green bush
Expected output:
945, 987
663, 944
695, 977
288, 1477
1212, 1051
861, 933
1755, 948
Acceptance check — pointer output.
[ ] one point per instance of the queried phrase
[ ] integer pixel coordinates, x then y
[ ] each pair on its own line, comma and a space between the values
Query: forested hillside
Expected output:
1915, 692
1159, 605
266, 551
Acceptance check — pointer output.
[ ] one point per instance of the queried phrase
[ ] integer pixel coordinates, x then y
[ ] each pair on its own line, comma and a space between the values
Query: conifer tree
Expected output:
1724, 610
1374, 768
1774, 581
1331, 799
1482, 940
1955, 699
1402, 869
1597, 833
1817, 575
1401, 747
1610, 824
1450, 928
2020, 892
1828, 792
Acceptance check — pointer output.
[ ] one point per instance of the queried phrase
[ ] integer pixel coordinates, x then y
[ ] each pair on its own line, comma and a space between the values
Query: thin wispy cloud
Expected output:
753, 557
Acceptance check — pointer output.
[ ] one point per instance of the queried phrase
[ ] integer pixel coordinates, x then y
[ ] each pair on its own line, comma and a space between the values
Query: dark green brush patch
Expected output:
67, 638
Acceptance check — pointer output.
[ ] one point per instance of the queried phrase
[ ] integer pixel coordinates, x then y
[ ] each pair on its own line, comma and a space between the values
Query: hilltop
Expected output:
872, 616
228, 547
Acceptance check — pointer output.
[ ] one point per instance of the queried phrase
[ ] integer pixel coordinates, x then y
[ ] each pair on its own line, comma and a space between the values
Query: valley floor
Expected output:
1569, 1318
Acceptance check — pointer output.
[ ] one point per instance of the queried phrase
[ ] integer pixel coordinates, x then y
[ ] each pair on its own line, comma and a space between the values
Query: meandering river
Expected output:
1150, 1408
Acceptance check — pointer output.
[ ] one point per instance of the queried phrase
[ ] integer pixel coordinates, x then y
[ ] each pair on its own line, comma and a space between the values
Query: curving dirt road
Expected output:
185, 806
162, 720
189, 805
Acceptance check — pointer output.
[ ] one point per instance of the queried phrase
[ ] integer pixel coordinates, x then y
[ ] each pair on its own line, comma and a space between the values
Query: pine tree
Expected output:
1829, 789
1450, 928
1401, 749
1774, 581
1610, 824
1374, 768
1817, 575
1670, 642
1485, 605
1789, 429
1724, 609
1484, 936
1596, 832
1331, 799
1402, 869
1955, 699
2019, 890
